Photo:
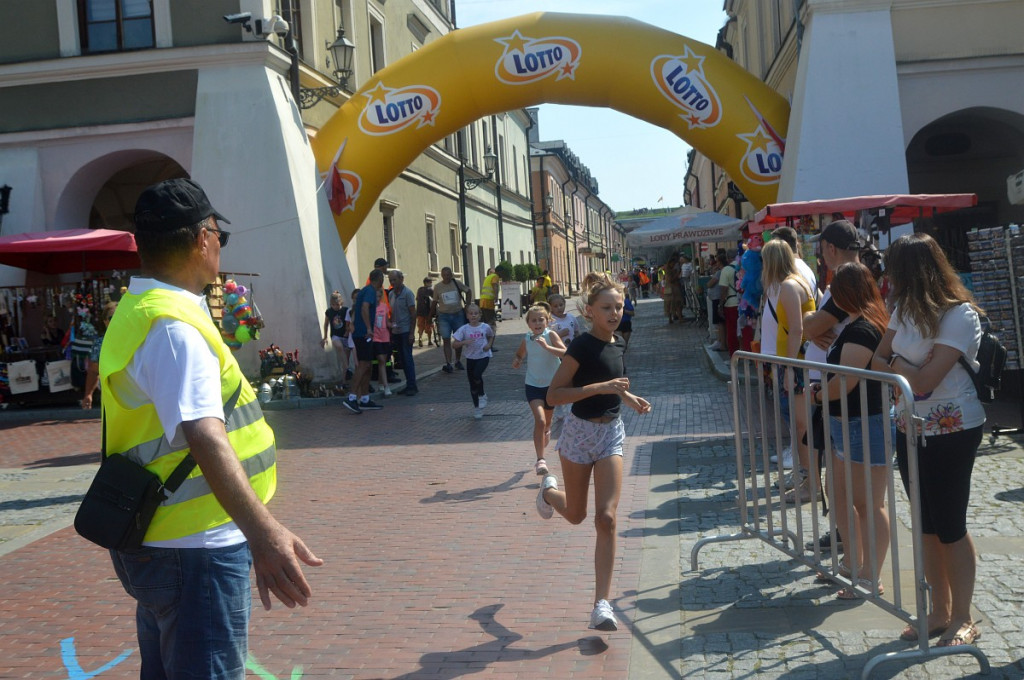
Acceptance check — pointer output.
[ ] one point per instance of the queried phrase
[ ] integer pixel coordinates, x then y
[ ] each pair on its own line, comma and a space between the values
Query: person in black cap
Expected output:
175, 392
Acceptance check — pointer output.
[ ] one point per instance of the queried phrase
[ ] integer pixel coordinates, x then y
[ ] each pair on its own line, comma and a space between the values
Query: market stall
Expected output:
46, 329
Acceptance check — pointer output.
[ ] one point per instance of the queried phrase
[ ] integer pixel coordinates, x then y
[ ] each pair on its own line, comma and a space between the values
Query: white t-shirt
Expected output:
475, 338
953, 405
567, 322
156, 375
804, 270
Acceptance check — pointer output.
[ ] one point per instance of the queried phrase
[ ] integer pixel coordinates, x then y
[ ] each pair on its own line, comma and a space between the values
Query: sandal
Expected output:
909, 633
541, 468
966, 634
824, 577
849, 593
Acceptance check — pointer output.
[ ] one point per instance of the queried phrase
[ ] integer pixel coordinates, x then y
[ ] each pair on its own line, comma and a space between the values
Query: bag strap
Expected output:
184, 468
771, 309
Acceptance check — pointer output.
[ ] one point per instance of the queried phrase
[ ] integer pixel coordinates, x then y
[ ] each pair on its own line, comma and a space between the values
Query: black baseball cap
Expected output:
842, 234
173, 204
380, 262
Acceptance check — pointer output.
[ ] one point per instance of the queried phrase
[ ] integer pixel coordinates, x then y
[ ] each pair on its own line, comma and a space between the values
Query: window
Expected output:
290, 12
389, 238
515, 166
431, 246
453, 242
490, 253
115, 25
377, 43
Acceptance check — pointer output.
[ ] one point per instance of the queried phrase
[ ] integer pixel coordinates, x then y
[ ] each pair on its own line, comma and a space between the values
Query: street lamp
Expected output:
490, 162
341, 51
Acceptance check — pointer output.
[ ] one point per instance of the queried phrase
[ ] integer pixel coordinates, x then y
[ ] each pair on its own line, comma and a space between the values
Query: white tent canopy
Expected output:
692, 226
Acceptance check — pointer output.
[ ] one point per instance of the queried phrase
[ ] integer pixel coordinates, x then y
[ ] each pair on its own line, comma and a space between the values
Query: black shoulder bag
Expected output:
123, 498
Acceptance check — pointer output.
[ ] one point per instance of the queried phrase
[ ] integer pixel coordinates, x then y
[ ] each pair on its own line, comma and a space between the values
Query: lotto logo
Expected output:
681, 80
392, 110
527, 60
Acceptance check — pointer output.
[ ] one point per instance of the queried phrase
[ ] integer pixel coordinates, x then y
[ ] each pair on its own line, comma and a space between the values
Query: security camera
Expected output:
241, 18
274, 25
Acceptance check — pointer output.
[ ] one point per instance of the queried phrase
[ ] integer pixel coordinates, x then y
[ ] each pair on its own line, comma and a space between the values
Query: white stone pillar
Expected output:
845, 134
252, 157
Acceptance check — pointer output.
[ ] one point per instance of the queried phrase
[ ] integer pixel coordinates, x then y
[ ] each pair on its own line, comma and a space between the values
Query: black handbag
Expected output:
122, 500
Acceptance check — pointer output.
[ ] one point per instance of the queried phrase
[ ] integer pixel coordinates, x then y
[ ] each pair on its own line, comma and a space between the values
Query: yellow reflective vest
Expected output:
138, 434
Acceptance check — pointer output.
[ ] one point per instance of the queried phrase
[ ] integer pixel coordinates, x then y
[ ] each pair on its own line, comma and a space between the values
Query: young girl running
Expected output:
591, 379
476, 338
542, 349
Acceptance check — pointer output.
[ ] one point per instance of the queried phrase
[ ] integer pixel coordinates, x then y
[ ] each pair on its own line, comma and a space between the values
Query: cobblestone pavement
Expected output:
438, 567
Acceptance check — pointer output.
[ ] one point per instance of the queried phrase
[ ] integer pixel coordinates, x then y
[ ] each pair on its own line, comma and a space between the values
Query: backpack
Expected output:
992, 357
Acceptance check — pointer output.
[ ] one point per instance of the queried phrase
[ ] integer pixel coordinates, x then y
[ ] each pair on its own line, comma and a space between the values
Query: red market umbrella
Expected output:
70, 250
900, 208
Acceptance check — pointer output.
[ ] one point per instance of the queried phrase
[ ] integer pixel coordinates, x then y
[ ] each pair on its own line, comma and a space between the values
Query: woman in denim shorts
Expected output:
591, 379
854, 291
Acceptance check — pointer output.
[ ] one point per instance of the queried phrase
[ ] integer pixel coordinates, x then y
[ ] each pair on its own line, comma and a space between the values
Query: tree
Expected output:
504, 270
522, 272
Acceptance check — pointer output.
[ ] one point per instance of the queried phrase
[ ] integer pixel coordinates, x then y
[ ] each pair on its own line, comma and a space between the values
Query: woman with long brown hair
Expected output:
934, 324
854, 291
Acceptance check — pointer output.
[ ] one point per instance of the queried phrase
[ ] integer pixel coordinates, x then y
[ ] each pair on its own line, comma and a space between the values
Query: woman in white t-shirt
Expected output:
934, 324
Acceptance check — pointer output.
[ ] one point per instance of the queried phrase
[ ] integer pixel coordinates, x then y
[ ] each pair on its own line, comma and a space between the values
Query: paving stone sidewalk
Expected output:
438, 567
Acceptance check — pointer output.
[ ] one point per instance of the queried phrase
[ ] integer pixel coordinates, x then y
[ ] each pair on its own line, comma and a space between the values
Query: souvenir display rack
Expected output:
24, 312
997, 264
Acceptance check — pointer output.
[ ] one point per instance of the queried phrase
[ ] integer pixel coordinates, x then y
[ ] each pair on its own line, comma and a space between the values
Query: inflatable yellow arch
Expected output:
665, 79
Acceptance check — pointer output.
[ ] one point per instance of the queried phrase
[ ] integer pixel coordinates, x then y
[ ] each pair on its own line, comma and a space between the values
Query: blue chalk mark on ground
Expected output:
75, 671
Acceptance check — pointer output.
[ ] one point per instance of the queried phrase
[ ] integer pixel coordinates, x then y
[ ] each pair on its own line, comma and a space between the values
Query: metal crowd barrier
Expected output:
765, 515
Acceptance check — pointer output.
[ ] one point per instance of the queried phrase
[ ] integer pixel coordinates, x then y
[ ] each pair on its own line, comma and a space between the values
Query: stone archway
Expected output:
668, 80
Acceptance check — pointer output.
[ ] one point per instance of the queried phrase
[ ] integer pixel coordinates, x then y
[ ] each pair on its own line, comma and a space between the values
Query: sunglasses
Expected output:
222, 236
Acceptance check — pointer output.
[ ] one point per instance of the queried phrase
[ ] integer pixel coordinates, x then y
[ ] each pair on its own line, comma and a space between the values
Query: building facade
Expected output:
102, 99
888, 96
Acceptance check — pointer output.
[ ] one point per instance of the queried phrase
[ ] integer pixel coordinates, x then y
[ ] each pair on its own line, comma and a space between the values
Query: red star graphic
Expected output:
567, 70
428, 117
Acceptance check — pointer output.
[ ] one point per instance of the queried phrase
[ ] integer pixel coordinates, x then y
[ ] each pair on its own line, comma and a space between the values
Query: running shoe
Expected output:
370, 406
387, 391
447, 368
459, 366
483, 400
352, 406
603, 618
478, 413
543, 507
541, 468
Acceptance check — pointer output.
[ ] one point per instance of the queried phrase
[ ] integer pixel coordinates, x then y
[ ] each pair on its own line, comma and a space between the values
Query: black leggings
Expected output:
945, 466
475, 372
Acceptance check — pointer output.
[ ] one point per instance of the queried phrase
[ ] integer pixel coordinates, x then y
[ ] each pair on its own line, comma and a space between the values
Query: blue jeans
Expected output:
875, 444
192, 613
401, 342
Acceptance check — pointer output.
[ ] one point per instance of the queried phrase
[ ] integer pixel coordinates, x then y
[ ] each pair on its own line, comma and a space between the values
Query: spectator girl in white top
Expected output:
935, 323
542, 348
591, 379
475, 339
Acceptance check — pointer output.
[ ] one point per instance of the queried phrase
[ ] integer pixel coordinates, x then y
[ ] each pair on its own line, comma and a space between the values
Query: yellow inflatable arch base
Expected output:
646, 72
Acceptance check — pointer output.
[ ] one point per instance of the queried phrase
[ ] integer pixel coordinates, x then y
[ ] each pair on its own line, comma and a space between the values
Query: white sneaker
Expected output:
478, 413
387, 391
603, 618
483, 400
543, 507
787, 458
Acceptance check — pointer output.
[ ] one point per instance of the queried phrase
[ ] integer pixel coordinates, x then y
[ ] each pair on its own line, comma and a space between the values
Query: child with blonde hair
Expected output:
562, 322
591, 378
542, 348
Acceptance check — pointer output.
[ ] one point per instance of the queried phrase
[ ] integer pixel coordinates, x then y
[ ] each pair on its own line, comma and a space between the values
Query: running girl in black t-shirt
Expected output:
591, 379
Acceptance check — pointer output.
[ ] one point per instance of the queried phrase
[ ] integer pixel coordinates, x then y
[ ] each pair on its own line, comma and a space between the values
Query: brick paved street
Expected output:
437, 566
